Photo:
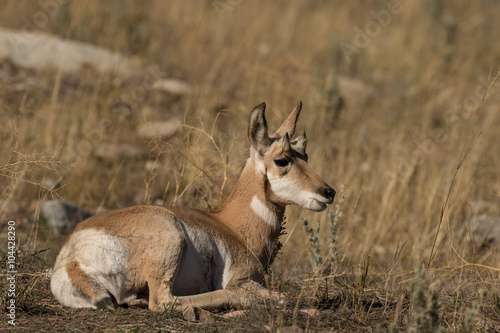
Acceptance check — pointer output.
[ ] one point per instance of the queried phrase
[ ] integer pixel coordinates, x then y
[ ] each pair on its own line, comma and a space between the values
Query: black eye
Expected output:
281, 162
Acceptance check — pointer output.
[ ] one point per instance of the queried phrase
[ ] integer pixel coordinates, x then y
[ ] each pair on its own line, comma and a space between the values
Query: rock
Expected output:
263, 49
486, 230
152, 165
147, 197
233, 314
310, 312
354, 89
62, 216
37, 50
158, 202
159, 129
49, 182
172, 86
112, 152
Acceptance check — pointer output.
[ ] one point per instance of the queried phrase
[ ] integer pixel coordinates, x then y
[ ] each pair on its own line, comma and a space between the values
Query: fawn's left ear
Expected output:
257, 130
290, 122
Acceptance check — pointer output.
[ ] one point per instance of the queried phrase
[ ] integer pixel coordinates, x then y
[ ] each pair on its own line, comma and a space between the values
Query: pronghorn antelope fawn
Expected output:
188, 258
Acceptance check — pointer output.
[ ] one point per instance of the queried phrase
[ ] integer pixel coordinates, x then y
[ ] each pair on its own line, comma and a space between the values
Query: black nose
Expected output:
327, 192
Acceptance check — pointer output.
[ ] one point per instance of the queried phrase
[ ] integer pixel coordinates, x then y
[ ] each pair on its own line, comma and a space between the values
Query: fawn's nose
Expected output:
327, 192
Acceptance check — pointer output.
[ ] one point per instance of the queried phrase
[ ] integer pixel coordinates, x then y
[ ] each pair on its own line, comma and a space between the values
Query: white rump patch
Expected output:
264, 213
103, 258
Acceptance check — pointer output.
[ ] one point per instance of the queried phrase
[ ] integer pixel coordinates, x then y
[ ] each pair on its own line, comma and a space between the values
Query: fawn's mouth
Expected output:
317, 205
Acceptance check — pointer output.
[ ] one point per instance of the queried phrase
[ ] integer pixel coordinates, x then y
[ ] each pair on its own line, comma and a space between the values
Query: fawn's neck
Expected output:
251, 215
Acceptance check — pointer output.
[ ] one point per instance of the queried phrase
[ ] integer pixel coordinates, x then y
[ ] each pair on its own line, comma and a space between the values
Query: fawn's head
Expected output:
283, 161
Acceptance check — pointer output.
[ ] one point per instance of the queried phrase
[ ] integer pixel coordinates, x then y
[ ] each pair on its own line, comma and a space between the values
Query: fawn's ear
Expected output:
257, 130
290, 122
300, 144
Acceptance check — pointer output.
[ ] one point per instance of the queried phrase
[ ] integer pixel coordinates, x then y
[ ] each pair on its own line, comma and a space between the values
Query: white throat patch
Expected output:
264, 213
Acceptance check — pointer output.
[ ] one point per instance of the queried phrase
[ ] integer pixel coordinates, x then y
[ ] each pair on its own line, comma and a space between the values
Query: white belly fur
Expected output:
204, 266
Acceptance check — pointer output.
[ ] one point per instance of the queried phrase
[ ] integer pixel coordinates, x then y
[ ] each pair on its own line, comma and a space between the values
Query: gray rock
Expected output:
486, 230
147, 197
354, 89
159, 129
62, 216
172, 86
38, 50
112, 152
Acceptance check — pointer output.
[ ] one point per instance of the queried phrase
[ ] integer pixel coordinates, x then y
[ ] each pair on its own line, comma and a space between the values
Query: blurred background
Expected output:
393, 101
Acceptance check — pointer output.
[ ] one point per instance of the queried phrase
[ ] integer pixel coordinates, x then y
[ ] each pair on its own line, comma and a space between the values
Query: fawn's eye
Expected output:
281, 162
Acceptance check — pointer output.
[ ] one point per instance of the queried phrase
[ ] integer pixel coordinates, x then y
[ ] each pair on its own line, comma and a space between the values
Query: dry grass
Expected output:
405, 125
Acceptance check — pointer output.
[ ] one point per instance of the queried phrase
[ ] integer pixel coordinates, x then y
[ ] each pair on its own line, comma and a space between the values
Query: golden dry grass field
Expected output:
401, 112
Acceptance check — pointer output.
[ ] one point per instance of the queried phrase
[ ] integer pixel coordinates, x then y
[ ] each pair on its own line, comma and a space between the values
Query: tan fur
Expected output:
237, 214
205, 259
79, 279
